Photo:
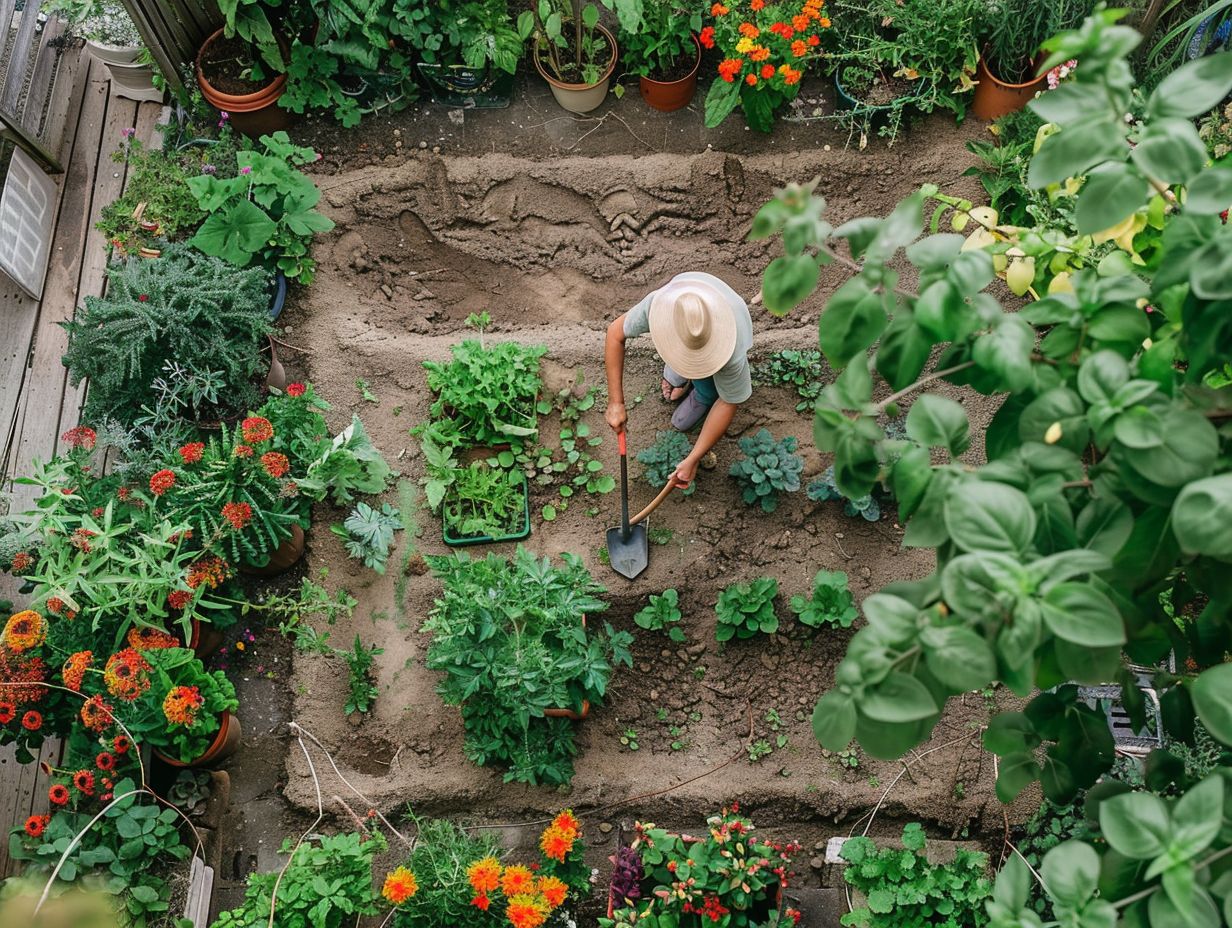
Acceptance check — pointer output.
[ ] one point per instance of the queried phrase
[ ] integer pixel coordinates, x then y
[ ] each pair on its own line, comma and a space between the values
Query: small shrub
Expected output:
662, 615
831, 603
767, 469
802, 371
362, 692
824, 488
744, 609
349, 465
369, 533
903, 890
660, 459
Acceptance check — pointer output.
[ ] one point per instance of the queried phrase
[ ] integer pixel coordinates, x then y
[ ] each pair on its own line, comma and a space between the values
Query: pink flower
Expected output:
128, 133
246, 170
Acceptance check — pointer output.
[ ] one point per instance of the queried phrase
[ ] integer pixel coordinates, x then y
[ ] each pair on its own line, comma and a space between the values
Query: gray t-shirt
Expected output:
733, 381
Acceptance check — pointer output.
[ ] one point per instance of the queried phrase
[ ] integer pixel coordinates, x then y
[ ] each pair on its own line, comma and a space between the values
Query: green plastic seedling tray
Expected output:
517, 535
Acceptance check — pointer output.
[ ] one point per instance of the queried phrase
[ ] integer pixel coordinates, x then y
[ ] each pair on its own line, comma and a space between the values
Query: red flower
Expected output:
96, 714
143, 298
8, 712
81, 437
21, 561
81, 539
297, 389
162, 481
97, 512
105, 761
123, 494
74, 669
119, 744
481, 902
729, 68
32, 720
814, 40
36, 824
58, 794
238, 514
767, 71
191, 452
756, 5
178, 599
751, 80
706, 37
242, 451
275, 463
84, 781
256, 429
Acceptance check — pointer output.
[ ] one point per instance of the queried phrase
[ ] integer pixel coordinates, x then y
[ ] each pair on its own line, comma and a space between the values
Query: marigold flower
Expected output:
84, 781
55, 605
58, 794
80, 436
800, 22
799, 48
191, 452
718, 10
119, 744
32, 720
555, 843
553, 890
96, 714
824, 22
21, 561
748, 29
105, 761
152, 639
36, 825
8, 712
567, 822
792, 77
256, 429
181, 705
484, 875
400, 885
24, 631
481, 902
745, 45
238, 514
242, 451
525, 911
757, 5
125, 674
517, 879
814, 40
74, 669
706, 37
275, 463
178, 599
751, 80
162, 481
759, 53
767, 71
729, 68
297, 389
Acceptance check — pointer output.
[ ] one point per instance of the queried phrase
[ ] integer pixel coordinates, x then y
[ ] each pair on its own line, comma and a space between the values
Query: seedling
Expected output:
660, 459
359, 665
368, 533
849, 758
629, 739
802, 371
767, 469
662, 615
661, 714
759, 749
364, 393
661, 536
745, 609
824, 488
831, 602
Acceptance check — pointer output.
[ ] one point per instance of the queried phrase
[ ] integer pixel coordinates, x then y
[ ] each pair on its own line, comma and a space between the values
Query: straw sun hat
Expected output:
693, 327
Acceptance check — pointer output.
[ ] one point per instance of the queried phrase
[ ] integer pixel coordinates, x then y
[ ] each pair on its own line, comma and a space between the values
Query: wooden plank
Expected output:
26, 792
13, 131
19, 60
40, 79
66, 98
44, 390
159, 41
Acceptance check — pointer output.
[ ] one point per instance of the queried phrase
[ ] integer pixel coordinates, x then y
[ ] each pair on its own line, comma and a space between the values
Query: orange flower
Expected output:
74, 669
400, 885
8, 712
814, 41
242, 450
718, 10
517, 880
799, 48
706, 37
553, 890
152, 639
211, 571
238, 514
96, 714
792, 77
275, 463
824, 23
162, 481
32, 720
257, 429
767, 71
525, 911
800, 22
756, 5
751, 80
125, 674
481, 902
181, 705
58, 794
178, 599
21, 561
24, 631
556, 843
729, 68
759, 53
484, 875
567, 822
749, 30
35, 825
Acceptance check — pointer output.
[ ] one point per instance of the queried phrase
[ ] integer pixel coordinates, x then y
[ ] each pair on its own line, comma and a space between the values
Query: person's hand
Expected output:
684, 474
616, 417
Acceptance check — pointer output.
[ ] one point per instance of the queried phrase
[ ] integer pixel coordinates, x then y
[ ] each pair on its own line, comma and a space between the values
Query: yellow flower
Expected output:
744, 45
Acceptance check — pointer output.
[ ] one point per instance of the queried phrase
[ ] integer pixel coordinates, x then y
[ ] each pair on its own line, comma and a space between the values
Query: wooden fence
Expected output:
173, 31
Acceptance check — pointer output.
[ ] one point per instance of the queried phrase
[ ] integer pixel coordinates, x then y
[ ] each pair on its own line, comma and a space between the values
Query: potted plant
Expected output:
509, 635
765, 52
665, 53
236, 78
469, 51
1008, 76
112, 38
572, 51
29, 712
480, 501
664, 880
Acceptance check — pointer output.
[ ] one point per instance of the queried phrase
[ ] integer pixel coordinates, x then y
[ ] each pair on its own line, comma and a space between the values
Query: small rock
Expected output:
665, 653
423, 145
769, 661
436, 149
397, 133
654, 695
817, 863
643, 668
605, 827
388, 291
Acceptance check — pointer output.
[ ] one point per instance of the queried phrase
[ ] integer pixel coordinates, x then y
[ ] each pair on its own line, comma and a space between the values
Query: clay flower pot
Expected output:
203, 638
284, 557
995, 98
579, 98
254, 114
667, 96
226, 742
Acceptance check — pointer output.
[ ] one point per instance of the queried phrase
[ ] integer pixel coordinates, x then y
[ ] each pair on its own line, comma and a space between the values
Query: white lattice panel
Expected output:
27, 220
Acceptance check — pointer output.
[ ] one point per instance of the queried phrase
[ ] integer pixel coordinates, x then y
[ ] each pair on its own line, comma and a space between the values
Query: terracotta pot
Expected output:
226, 742
579, 98
284, 557
254, 114
667, 96
204, 639
995, 98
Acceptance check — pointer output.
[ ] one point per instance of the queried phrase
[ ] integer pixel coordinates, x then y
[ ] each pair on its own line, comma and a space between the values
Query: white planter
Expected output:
129, 80
113, 54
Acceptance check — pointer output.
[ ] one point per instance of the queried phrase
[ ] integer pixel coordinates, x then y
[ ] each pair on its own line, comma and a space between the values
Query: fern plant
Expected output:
184, 307
368, 533
767, 469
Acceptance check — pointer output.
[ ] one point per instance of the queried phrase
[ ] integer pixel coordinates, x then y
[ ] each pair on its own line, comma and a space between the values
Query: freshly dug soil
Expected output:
679, 69
881, 92
225, 62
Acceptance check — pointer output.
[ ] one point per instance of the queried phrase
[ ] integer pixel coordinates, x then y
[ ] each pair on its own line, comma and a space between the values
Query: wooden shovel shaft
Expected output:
663, 494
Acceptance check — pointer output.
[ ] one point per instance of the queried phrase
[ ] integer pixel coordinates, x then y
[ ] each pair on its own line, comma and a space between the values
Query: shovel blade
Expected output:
630, 555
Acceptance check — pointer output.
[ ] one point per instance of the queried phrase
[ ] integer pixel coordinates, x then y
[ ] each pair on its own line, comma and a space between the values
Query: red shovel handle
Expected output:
620, 438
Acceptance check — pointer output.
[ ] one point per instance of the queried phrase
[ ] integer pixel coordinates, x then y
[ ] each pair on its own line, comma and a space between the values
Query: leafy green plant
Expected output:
661, 614
566, 40
660, 459
361, 690
369, 533
662, 43
509, 636
800, 370
629, 739
902, 889
1017, 29
830, 604
439, 859
824, 488
767, 469
480, 498
349, 465
477, 34
326, 884
183, 307
190, 791
745, 609
266, 212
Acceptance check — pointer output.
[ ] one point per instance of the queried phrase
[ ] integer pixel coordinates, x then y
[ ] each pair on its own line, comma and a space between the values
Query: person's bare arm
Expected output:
713, 428
614, 362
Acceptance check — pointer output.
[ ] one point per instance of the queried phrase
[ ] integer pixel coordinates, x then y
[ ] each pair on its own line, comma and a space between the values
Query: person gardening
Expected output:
702, 330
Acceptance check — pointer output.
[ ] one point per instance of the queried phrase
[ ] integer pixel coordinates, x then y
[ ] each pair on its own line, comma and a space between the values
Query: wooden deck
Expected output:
84, 126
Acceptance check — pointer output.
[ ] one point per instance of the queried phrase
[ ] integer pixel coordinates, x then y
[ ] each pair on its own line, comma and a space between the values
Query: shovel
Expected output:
628, 547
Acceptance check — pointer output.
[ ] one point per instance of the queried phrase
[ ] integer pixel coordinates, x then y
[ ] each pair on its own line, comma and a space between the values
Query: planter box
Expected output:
516, 534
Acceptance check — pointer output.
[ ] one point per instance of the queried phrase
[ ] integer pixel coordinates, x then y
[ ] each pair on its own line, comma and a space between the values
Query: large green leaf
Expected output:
235, 233
1079, 613
1187, 453
1210, 192
1006, 352
721, 99
939, 422
958, 657
852, 321
984, 516
1170, 151
1075, 149
1017, 772
899, 698
1202, 517
834, 720
1211, 693
1135, 825
789, 280
903, 351
1071, 872
1111, 193
1193, 88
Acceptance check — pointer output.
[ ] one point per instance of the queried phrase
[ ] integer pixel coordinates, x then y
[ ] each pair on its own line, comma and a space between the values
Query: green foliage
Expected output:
350, 464
571, 467
767, 469
903, 890
369, 533
661, 614
486, 393
300, 431
824, 488
663, 39
183, 307
477, 34
361, 690
266, 212
574, 51
327, 884
439, 859
480, 498
660, 459
1017, 29
830, 604
509, 636
801, 370
746, 609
